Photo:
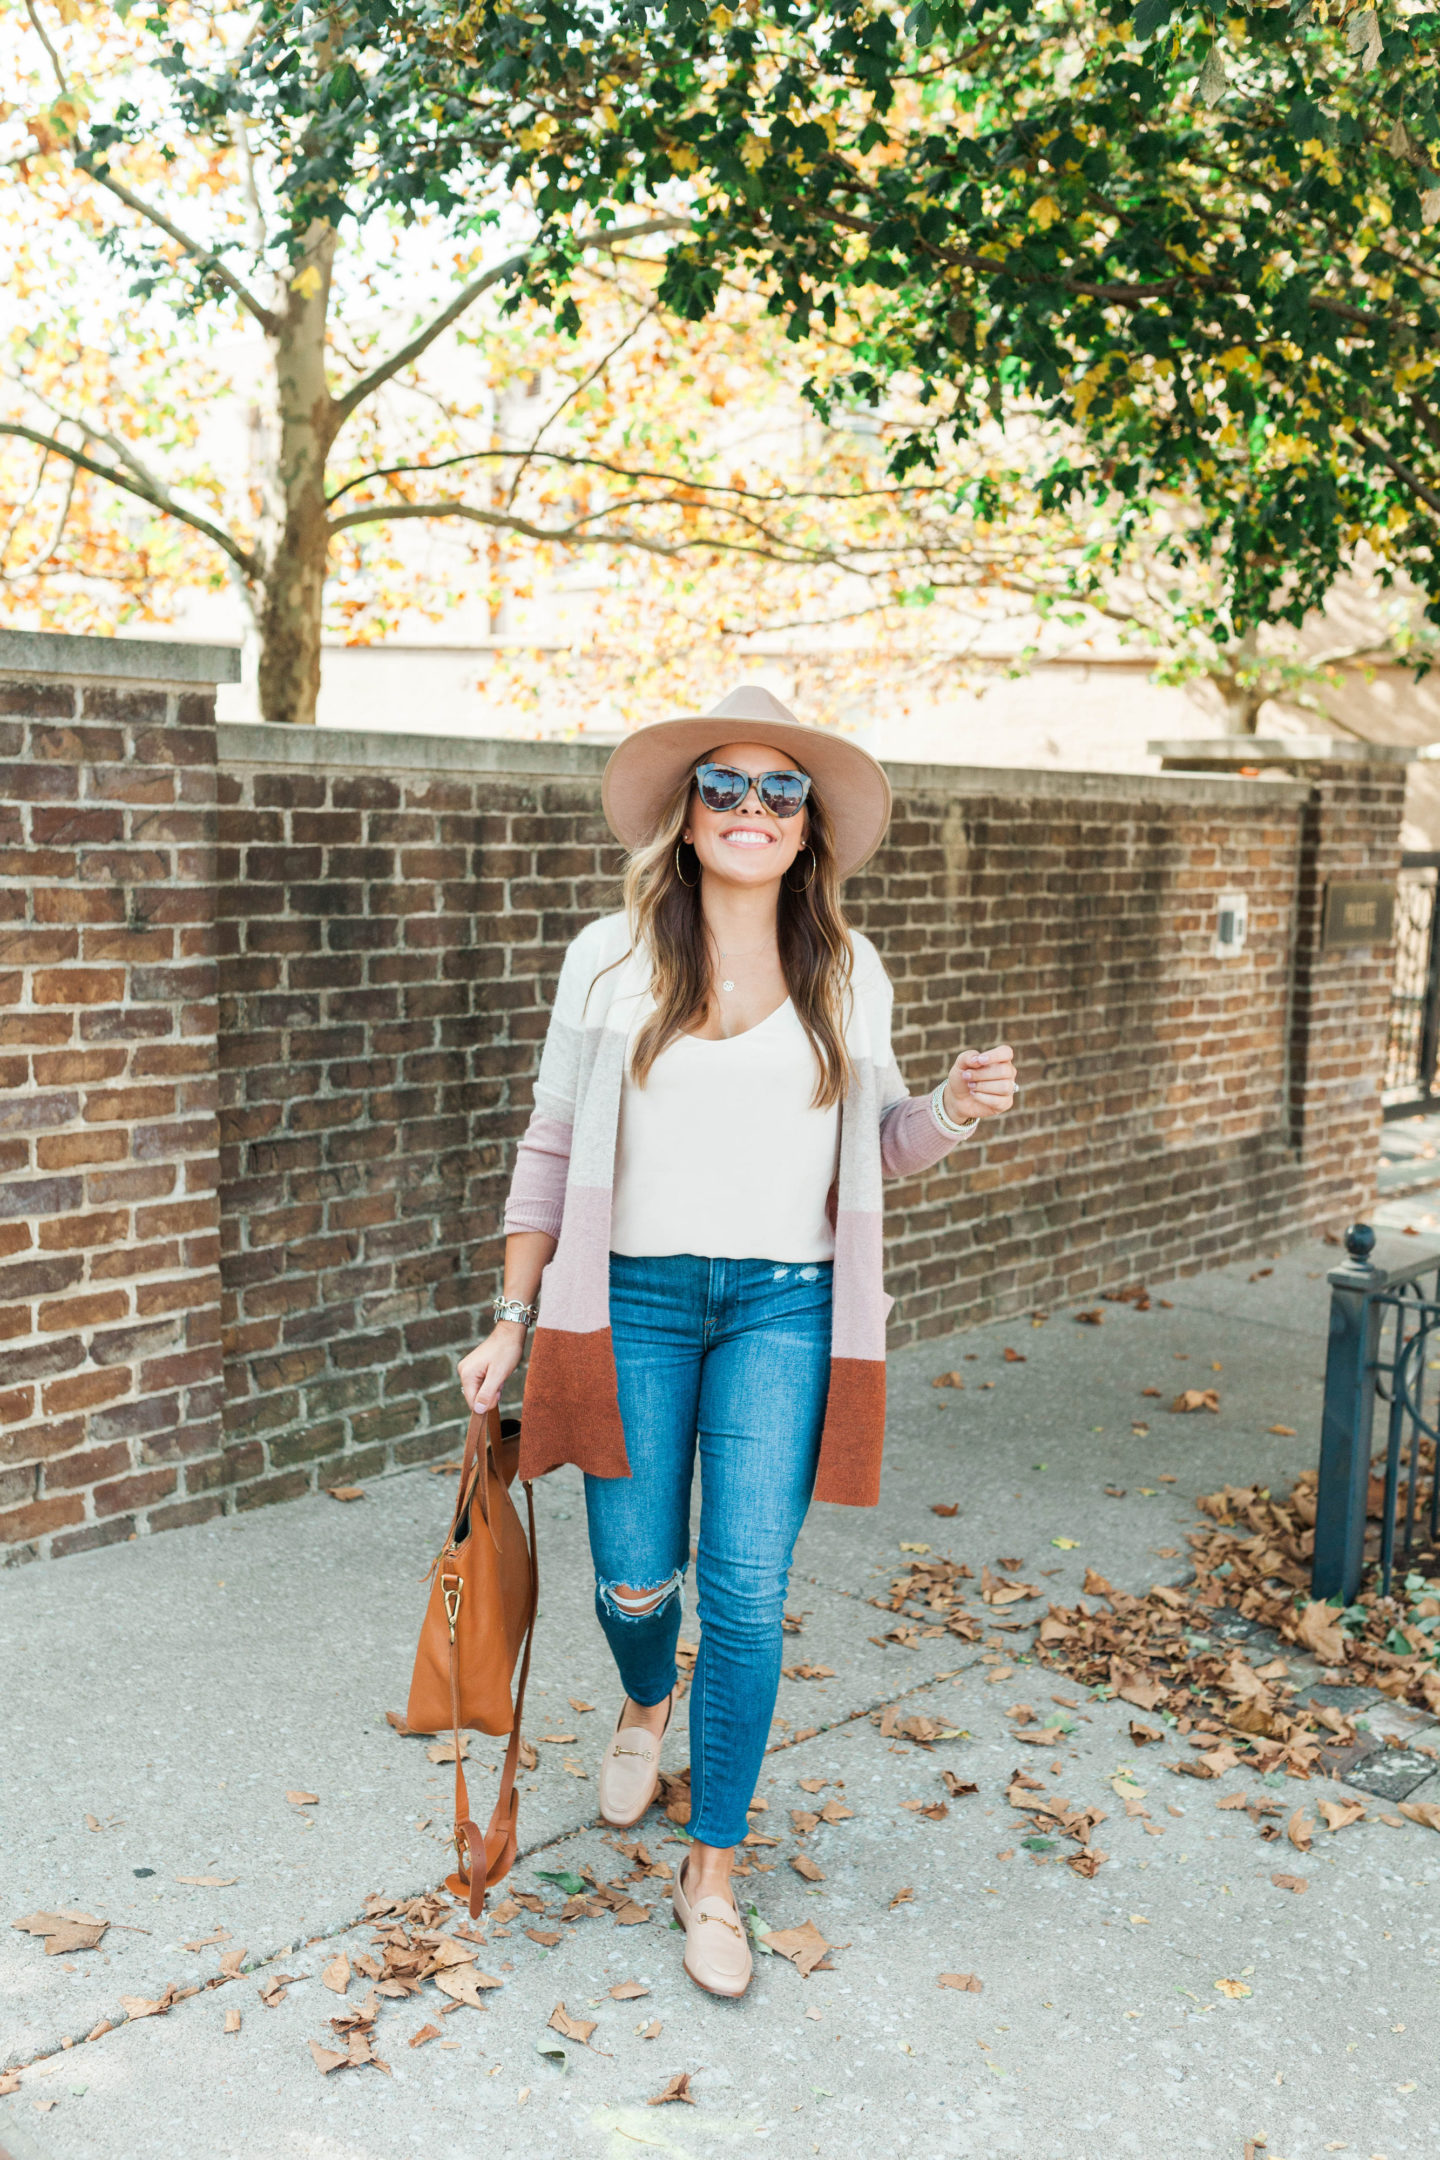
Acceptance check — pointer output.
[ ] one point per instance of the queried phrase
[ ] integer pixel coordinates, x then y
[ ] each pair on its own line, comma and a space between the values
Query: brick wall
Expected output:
110, 1405
389, 916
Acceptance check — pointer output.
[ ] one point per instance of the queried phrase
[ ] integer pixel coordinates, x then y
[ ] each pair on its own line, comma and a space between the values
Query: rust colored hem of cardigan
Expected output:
571, 1412
849, 1471
572, 1415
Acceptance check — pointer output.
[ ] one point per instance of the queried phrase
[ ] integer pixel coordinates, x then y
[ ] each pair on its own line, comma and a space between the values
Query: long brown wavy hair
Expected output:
816, 955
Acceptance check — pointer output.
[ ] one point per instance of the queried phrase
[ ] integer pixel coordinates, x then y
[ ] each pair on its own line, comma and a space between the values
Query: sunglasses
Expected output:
725, 787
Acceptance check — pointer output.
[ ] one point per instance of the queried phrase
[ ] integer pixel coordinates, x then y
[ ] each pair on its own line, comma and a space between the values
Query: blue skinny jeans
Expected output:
734, 1354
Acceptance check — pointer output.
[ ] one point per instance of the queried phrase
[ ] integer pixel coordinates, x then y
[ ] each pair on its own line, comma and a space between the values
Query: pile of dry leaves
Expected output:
1158, 1652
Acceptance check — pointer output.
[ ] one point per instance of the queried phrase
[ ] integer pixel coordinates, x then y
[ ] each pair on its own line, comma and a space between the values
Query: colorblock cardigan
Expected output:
564, 1173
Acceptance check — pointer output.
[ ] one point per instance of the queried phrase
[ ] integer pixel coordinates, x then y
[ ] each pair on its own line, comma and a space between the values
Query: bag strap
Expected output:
488, 1858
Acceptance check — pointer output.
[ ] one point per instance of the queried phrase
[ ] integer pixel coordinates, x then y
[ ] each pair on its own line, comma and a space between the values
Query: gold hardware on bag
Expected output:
452, 1599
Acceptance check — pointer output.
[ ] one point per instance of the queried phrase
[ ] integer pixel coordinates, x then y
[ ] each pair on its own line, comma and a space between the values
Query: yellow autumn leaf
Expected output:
1066, 1544
1044, 211
306, 282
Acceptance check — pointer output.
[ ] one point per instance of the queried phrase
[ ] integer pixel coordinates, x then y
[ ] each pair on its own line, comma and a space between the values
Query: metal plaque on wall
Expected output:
1358, 915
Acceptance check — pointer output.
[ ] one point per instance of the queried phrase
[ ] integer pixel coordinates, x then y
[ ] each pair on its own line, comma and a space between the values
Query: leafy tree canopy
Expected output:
1203, 246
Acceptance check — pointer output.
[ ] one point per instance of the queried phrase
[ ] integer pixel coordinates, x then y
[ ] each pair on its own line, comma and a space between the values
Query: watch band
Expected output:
509, 1308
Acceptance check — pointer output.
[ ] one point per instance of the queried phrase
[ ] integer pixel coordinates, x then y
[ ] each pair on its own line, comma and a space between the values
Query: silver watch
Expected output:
509, 1308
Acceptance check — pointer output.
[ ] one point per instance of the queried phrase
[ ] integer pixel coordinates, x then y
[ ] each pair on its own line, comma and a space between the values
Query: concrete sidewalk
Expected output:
175, 1690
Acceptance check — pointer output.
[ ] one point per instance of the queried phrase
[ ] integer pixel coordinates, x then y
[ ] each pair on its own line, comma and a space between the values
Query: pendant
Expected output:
727, 986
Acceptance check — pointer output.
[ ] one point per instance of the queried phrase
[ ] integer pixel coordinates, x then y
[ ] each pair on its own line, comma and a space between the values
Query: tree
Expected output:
253, 404
1204, 249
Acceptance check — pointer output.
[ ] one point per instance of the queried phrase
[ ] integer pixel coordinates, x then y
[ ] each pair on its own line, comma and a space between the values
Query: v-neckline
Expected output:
714, 1042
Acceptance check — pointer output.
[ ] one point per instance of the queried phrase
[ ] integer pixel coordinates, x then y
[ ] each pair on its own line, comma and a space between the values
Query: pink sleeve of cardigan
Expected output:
537, 1190
911, 1137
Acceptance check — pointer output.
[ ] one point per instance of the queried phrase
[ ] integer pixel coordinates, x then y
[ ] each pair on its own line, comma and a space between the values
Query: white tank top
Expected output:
722, 1152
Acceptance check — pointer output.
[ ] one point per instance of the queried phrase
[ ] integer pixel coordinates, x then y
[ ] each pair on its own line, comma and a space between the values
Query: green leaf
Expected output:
572, 1885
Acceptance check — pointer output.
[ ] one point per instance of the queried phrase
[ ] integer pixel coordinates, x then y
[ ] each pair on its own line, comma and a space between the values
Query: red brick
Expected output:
79, 986
19, 1525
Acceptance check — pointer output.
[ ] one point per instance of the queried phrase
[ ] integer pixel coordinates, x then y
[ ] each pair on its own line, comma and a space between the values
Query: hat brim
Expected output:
645, 769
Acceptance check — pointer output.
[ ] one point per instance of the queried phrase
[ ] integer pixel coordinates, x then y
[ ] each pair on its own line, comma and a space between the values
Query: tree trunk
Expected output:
296, 553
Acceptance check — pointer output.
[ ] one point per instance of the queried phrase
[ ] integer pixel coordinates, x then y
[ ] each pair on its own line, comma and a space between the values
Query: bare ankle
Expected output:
652, 1716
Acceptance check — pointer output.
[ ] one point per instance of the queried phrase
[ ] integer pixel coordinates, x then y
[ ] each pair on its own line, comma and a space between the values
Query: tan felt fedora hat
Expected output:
647, 767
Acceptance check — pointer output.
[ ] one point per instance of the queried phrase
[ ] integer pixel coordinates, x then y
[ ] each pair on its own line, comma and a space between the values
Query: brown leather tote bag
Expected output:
480, 1618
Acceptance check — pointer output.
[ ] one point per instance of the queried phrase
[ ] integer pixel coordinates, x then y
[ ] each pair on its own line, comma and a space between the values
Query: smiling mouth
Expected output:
747, 836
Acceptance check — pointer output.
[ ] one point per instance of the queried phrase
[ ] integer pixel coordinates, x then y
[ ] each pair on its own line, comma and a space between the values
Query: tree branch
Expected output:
342, 407
1401, 470
159, 498
205, 257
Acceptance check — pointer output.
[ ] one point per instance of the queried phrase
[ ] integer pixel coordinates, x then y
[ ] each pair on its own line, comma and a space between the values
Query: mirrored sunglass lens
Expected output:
721, 788
782, 793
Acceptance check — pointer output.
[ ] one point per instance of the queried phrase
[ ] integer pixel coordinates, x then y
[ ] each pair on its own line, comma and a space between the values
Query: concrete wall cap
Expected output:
262, 743
1281, 750
106, 659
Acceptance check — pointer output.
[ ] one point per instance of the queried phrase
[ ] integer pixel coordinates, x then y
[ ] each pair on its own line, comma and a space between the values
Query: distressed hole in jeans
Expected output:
626, 1601
780, 1274
809, 1274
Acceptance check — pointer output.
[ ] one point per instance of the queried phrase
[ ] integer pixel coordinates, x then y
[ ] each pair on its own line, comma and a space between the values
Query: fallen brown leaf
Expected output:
805, 1866
945, 1507
336, 1975
571, 2028
465, 1984
1286, 1432
1425, 1812
1194, 1398
1339, 1814
272, 1990
1013, 1357
1300, 1830
139, 2006
628, 1990
576, 1704
948, 1379
393, 1718
1297, 1883
1093, 1318
546, 1937
232, 2021
956, 1786
836, 1811
346, 1492
440, 1751
651, 2031
327, 2059
804, 1946
964, 1983
677, 2089
205, 1942
426, 2032
1144, 1735
303, 1799
64, 1931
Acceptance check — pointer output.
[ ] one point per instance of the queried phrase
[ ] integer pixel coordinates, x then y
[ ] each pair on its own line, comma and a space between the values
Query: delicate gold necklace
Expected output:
727, 955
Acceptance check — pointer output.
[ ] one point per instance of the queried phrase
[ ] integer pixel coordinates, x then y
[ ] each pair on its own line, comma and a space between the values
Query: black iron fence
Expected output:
1384, 1352
1414, 1038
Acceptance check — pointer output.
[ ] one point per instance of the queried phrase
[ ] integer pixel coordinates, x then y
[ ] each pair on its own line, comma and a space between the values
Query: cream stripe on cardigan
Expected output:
564, 1173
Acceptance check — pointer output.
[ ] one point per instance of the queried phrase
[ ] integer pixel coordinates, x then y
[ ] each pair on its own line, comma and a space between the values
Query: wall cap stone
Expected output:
112, 659
266, 743
1280, 750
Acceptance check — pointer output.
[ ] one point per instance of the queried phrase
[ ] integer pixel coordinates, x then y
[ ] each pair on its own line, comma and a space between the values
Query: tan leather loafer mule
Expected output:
717, 1942
630, 1772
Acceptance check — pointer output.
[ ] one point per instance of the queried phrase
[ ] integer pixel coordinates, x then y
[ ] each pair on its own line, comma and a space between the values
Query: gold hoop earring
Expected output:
688, 882
803, 849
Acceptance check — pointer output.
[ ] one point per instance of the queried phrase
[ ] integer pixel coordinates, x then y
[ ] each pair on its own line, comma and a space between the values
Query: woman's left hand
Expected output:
981, 1083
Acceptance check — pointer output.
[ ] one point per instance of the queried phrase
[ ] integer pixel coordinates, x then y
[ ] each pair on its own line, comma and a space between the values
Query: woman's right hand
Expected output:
486, 1368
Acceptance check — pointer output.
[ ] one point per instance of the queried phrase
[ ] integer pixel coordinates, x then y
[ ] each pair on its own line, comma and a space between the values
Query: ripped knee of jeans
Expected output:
631, 1601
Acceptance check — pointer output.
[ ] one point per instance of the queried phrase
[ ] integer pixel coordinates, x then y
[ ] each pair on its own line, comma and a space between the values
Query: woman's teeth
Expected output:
747, 839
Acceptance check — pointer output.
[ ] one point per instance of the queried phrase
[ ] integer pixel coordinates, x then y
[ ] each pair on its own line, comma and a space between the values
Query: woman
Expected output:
698, 1190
